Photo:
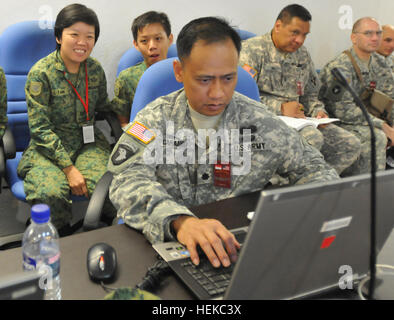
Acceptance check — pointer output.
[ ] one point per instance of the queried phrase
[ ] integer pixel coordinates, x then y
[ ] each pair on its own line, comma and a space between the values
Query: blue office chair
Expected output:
244, 34
156, 81
21, 46
7, 151
132, 56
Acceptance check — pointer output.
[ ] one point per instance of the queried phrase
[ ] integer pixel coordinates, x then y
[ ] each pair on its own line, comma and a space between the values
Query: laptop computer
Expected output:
21, 286
300, 241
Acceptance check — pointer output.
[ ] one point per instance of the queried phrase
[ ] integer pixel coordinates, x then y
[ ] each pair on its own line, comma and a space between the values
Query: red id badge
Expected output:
372, 85
300, 90
222, 175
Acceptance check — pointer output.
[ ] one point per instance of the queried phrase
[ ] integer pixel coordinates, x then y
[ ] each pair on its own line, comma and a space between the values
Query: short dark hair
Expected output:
208, 29
74, 13
149, 18
294, 10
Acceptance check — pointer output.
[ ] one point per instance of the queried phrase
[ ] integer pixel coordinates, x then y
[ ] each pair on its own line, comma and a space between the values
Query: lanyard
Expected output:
85, 104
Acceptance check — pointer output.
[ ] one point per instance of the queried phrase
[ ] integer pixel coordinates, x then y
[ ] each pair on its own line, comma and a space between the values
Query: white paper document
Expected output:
300, 123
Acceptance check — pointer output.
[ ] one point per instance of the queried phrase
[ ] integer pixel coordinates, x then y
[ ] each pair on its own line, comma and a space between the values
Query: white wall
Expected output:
331, 20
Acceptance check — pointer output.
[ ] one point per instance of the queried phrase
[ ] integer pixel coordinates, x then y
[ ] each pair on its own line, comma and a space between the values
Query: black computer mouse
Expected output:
101, 262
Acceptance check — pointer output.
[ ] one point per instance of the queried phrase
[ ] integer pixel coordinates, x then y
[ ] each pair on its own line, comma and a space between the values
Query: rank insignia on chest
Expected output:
94, 80
249, 70
142, 133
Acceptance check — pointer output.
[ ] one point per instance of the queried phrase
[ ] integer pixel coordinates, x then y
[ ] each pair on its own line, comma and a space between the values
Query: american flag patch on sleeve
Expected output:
142, 133
249, 70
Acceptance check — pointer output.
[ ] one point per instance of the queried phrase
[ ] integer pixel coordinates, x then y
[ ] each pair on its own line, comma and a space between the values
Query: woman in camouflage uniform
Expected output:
63, 91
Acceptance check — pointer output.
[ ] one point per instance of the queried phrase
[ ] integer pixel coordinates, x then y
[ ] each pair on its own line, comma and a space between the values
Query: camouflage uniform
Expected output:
56, 117
125, 86
340, 104
3, 103
129, 293
277, 75
149, 196
390, 62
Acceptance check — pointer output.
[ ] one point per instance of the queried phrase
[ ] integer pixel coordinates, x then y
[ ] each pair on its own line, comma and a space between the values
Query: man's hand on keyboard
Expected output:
210, 235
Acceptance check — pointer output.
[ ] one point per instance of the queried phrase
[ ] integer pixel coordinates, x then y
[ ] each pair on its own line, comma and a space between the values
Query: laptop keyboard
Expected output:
204, 280
214, 280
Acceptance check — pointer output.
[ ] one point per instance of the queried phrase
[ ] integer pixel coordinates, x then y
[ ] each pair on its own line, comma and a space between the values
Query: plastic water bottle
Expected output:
40, 249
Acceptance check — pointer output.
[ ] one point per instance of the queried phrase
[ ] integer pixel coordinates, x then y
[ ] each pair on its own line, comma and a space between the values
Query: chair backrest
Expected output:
244, 34
21, 46
132, 56
159, 80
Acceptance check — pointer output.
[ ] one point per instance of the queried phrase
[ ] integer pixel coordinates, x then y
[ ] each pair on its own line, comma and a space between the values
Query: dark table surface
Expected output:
135, 254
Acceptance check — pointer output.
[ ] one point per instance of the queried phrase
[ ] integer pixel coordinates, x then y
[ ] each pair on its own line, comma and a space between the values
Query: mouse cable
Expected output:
152, 278
106, 288
154, 275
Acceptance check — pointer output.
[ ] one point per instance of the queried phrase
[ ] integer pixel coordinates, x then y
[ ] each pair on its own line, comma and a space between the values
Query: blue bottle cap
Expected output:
40, 213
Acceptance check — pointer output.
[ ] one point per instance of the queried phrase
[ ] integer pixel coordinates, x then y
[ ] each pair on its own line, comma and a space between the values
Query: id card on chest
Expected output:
88, 133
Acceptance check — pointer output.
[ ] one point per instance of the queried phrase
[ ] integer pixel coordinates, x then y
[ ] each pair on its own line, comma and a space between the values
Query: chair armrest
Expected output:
2, 164
8, 144
96, 203
7, 150
113, 122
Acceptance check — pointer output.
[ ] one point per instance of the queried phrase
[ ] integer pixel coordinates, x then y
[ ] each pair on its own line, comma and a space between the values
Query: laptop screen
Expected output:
303, 237
21, 286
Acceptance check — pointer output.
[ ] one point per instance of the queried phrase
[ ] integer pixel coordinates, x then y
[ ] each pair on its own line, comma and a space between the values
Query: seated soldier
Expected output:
3, 103
376, 74
387, 45
153, 193
152, 37
289, 86
67, 154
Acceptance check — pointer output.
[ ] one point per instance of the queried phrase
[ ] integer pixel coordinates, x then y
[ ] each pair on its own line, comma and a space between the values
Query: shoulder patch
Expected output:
122, 153
336, 89
117, 88
35, 88
249, 70
142, 133
334, 92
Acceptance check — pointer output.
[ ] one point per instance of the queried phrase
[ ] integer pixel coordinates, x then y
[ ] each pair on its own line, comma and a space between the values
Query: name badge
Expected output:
88, 134
222, 175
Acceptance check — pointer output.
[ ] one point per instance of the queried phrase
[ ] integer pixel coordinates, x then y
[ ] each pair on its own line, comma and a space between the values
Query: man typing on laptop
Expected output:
163, 163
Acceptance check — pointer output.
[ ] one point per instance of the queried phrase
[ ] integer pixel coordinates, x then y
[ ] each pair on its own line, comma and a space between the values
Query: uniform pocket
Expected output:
271, 78
62, 105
